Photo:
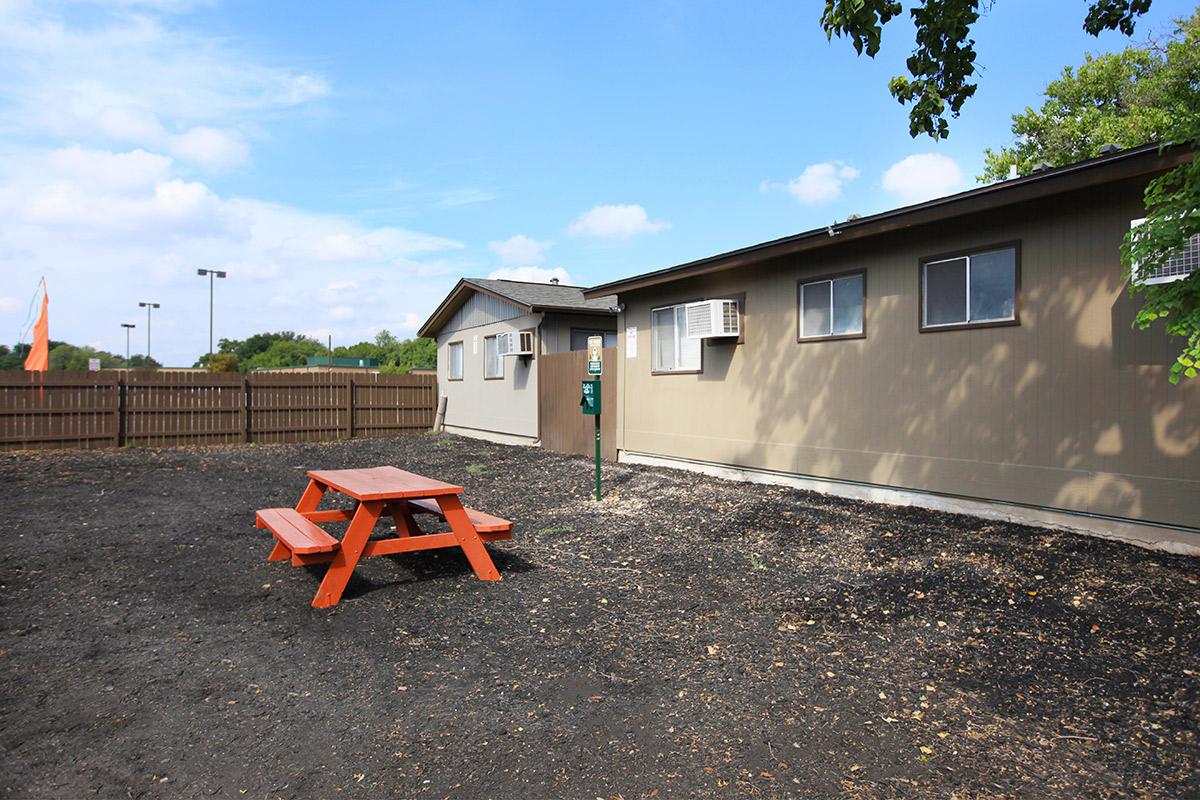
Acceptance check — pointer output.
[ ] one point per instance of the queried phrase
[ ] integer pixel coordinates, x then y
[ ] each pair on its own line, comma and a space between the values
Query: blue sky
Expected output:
347, 163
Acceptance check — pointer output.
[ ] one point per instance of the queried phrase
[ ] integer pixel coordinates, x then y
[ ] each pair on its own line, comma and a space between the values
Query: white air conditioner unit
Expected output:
1177, 267
711, 319
515, 343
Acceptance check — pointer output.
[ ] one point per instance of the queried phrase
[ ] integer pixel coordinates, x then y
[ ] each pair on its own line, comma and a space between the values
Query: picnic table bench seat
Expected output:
295, 532
489, 526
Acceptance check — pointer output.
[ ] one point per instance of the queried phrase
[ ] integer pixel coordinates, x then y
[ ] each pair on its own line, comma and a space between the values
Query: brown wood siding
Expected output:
563, 427
1070, 409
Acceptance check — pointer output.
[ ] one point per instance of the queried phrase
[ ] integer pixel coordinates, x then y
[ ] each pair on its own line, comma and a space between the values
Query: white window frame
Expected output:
487, 359
968, 322
1164, 278
450, 376
681, 338
862, 304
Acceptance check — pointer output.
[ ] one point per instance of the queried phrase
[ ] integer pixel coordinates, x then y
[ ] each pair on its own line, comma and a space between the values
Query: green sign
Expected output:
595, 368
589, 403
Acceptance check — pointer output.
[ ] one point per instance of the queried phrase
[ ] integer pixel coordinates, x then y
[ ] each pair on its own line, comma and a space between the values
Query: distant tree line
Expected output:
289, 349
73, 357
262, 350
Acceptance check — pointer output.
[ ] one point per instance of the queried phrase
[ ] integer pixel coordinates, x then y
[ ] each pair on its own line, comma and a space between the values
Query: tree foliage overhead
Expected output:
943, 62
1142, 95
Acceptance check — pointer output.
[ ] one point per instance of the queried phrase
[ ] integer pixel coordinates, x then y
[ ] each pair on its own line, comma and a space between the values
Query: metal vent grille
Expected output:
699, 320
1177, 267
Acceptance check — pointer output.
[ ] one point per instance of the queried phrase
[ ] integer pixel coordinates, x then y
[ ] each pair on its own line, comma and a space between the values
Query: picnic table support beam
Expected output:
468, 538
346, 558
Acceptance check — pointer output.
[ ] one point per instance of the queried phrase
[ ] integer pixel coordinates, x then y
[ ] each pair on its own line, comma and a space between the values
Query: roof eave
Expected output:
1106, 169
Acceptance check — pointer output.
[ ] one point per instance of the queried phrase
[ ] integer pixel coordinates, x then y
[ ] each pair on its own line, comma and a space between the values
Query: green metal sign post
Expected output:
591, 393
589, 403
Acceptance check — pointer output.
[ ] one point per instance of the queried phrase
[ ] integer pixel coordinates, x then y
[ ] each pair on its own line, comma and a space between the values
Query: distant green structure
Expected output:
341, 361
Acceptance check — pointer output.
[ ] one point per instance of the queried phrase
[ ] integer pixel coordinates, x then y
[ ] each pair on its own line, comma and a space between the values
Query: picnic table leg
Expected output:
311, 497
468, 538
346, 556
405, 524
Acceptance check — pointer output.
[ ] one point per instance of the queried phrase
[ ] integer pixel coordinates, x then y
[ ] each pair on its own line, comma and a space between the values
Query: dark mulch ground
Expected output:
688, 637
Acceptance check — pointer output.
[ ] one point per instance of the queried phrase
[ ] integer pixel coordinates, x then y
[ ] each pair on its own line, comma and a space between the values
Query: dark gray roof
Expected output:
531, 297
545, 295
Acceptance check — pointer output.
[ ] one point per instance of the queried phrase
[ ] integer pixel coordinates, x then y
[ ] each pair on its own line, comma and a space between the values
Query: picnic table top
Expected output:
382, 483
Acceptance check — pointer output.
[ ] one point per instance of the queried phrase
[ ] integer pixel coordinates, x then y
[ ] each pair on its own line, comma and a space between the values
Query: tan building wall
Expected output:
1069, 410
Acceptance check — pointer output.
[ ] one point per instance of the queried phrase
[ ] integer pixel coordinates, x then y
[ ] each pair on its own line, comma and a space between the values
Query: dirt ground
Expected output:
685, 638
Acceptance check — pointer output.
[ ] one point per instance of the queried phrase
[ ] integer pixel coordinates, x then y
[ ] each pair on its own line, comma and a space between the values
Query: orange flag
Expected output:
38, 359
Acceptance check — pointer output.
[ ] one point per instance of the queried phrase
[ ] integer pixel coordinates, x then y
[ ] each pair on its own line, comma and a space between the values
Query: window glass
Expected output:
946, 292
815, 305
455, 360
993, 285
848, 305
663, 322
493, 364
673, 350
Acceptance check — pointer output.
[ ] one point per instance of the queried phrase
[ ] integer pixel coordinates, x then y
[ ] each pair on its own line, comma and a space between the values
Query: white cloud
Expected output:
520, 249
126, 79
452, 198
615, 222
8, 305
210, 148
109, 228
818, 183
533, 274
923, 176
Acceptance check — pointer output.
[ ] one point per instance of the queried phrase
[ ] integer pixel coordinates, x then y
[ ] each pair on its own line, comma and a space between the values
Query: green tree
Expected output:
1137, 97
943, 63
221, 362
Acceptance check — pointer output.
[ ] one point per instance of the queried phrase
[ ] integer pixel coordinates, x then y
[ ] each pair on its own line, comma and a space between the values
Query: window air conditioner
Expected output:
711, 319
515, 343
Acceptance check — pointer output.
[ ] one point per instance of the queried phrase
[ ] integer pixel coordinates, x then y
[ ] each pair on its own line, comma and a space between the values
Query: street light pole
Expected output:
148, 306
128, 326
211, 273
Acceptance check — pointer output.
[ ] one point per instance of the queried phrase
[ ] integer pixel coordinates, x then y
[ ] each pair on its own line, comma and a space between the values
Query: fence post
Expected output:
349, 405
122, 408
246, 406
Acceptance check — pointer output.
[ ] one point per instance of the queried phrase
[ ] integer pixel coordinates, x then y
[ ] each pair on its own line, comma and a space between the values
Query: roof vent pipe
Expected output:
554, 281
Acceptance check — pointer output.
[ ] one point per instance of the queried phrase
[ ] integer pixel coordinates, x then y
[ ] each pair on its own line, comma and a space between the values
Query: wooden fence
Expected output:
151, 408
561, 425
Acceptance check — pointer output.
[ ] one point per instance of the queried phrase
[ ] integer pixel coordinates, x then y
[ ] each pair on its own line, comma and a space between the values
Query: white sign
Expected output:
631, 342
93, 365
474, 345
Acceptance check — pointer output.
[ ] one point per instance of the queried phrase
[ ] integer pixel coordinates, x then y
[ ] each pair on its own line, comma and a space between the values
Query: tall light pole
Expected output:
128, 326
211, 273
148, 306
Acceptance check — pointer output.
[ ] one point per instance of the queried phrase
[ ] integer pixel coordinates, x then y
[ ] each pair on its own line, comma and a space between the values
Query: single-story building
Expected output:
972, 353
489, 335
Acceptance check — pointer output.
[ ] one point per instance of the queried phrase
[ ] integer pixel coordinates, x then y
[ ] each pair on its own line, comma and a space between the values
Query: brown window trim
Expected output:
485, 358
464, 360
1015, 244
651, 332
836, 337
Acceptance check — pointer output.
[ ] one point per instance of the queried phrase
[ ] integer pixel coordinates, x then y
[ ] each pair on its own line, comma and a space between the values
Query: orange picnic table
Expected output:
378, 492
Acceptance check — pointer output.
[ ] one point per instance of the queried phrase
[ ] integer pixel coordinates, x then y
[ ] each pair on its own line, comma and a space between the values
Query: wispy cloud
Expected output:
923, 176
615, 222
817, 184
520, 249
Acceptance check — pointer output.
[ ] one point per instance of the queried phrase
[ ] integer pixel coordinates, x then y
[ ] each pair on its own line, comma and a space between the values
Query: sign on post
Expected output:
590, 401
595, 355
